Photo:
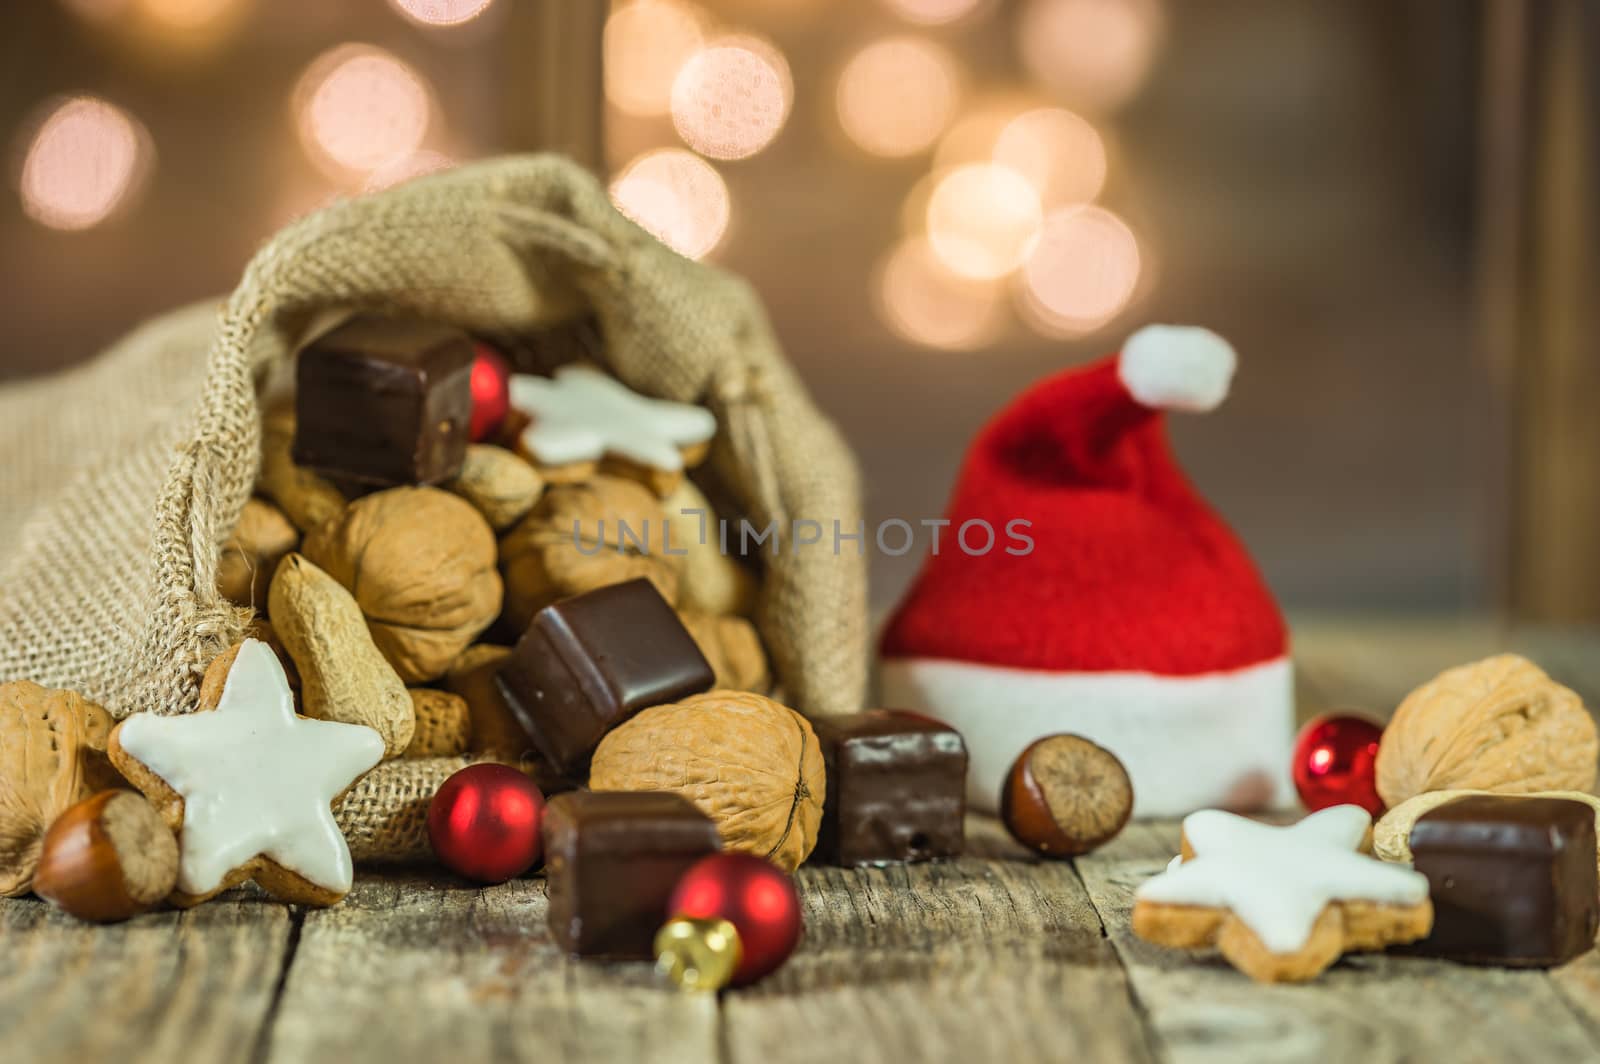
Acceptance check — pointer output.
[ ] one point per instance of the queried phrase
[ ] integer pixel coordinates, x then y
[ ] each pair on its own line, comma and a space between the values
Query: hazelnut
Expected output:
1065, 796
108, 858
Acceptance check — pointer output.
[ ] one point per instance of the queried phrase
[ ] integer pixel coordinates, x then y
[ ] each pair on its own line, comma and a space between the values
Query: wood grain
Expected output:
997, 956
1368, 1007
168, 987
421, 968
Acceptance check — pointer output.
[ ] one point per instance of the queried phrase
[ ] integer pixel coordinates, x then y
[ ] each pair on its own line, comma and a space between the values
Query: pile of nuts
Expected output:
398, 589
456, 563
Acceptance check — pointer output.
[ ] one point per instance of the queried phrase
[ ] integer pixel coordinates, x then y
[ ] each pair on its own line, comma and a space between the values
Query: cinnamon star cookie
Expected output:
1281, 903
249, 786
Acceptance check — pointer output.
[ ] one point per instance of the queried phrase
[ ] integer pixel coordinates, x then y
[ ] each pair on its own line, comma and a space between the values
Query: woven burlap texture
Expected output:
122, 479
384, 817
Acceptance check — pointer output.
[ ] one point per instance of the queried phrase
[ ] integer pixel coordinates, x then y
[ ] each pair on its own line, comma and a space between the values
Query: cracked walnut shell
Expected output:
750, 764
52, 756
1496, 725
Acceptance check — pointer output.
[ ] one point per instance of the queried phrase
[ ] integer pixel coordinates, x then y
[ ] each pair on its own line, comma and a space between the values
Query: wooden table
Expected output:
994, 957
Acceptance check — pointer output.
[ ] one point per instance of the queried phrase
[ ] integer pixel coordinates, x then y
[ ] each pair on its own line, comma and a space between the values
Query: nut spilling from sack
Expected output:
476, 589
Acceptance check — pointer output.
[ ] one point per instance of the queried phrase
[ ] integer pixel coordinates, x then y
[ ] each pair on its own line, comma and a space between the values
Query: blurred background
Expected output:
1387, 205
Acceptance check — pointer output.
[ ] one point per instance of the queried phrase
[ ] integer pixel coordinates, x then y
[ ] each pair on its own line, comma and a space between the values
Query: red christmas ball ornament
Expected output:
491, 391
753, 895
484, 823
1335, 763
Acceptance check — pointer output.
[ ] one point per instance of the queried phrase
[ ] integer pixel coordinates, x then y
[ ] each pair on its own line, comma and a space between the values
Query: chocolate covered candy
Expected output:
612, 860
1513, 880
897, 787
382, 401
590, 662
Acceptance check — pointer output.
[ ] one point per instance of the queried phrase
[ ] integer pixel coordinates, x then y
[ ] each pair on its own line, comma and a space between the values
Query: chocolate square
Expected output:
1513, 880
897, 785
588, 663
383, 401
612, 861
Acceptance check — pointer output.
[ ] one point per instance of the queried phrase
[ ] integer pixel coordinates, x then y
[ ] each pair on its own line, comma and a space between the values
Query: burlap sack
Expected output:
384, 817
122, 479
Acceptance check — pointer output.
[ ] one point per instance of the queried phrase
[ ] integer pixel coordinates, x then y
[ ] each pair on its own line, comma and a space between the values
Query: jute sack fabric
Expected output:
122, 479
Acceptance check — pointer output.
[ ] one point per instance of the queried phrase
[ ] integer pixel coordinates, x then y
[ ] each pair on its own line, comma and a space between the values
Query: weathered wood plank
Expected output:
996, 956
192, 986
420, 968
1369, 1007
993, 957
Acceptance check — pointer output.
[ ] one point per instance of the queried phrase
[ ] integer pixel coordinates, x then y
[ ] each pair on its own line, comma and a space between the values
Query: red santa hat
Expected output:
1124, 610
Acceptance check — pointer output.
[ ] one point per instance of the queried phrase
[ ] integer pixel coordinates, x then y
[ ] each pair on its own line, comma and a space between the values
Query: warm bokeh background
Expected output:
941, 201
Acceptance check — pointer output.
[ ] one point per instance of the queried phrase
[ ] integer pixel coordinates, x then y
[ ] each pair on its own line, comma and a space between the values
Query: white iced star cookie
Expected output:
1281, 903
248, 785
583, 419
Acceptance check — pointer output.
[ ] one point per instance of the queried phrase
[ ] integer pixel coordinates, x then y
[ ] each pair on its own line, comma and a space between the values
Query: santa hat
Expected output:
1136, 619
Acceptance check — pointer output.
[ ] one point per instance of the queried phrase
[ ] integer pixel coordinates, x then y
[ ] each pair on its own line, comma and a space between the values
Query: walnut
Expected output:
250, 557
733, 648
581, 537
421, 565
1497, 725
751, 765
52, 755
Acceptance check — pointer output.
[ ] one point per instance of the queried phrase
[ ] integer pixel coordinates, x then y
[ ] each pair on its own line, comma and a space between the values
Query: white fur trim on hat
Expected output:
1188, 742
1177, 367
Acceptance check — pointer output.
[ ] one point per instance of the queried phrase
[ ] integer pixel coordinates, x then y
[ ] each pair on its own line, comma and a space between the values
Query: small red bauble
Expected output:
756, 897
1335, 763
484, 823
491, 391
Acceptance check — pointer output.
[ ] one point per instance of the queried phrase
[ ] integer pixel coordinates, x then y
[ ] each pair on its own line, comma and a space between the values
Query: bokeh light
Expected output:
983, 220
914, 208
731, 98
1094, 54
186, 15
417, 164
1059, 153
360, 109
440, 12
921, 300
973, 136
678, 197
647, 42
934, 12
85, 160
897, 95
1081, 273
